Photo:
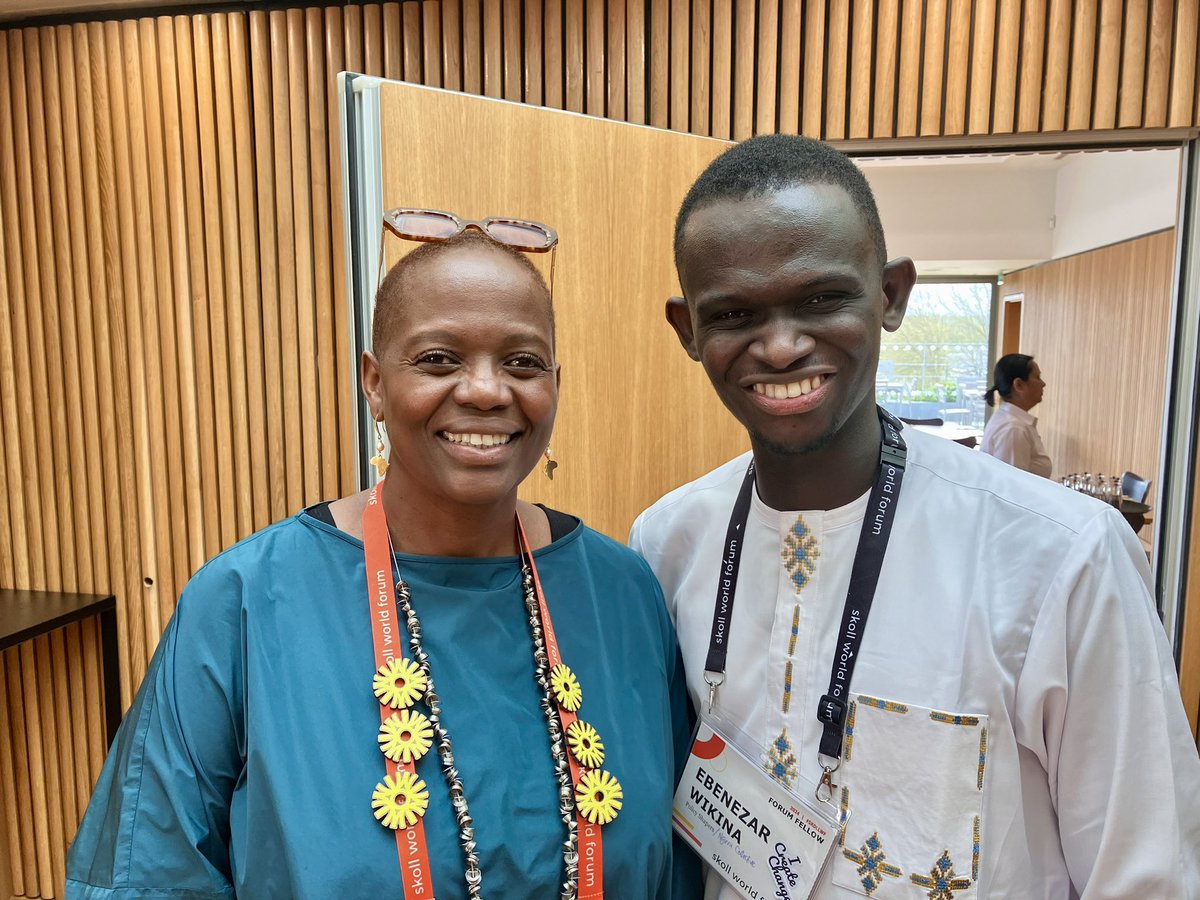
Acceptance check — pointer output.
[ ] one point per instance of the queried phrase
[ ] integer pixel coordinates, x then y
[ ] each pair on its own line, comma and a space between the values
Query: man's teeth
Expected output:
784, 391
477, 440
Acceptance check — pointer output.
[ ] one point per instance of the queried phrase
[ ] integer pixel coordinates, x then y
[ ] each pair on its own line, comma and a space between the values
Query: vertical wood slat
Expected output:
594, 57
413, 55
229, 245
25, 76
200, 456
1008, 47
722, 69
493, 51
1083, 58
983, 54
82, 755
1108, 65
837, 71
908, 104
933, 68
680, 69
660, 65
958, 60
511, 52
393, 42
533, 48
1132, 92
301, 234
554, 77
373, 37
11, 835
14, 377
636, 105
701, 87
472, 47
1058, 65
513, 58
862, 51
1158, 63
321, 188
113, 364
614, 62
743, 69
450, 36
268, 251
177, 313
77, 556
791, 29
573, 57
22, 772
812, 103
1185, 83
1033, 43
128, 359
887, 47
32, 145
766, 92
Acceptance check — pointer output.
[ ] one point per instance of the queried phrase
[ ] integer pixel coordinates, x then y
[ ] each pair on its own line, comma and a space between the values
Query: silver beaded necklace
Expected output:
458, 799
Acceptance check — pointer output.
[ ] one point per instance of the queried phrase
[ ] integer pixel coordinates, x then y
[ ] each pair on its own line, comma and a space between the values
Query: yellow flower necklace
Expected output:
589, 796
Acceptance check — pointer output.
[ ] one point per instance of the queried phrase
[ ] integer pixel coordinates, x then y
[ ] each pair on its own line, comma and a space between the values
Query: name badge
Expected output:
763, 839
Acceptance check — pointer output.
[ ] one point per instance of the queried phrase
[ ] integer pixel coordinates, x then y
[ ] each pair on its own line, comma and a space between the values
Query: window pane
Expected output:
935, 366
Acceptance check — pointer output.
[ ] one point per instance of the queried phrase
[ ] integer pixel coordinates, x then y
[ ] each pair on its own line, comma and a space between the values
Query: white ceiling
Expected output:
990, 214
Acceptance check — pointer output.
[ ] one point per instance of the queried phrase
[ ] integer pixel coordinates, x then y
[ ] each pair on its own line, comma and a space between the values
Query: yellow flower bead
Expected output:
405, 737
585, 744
566, 687
400, 801
598, 797
399, 683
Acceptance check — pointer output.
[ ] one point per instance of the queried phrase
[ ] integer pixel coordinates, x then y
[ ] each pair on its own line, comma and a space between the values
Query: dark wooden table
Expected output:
25, 615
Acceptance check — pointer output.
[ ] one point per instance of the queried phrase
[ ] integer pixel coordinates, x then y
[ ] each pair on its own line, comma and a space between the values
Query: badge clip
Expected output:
714, 680
825, 788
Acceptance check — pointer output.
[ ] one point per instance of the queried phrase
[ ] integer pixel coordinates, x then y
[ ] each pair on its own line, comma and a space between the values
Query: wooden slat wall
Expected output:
173, 336
1116, 298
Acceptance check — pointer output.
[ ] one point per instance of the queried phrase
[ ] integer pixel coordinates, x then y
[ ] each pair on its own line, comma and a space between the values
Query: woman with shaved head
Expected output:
427, 689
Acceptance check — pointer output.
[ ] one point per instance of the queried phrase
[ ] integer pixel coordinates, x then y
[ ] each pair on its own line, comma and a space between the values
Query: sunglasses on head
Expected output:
430, 225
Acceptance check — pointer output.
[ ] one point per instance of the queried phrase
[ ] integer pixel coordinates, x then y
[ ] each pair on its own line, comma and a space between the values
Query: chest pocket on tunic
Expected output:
911, 801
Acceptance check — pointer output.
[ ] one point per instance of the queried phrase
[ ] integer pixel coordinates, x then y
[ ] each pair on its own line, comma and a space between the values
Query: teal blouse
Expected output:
246, 764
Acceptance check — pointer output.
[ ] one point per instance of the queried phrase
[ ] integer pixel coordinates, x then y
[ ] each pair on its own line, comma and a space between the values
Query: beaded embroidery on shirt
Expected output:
941, 880
872, 864
799, 556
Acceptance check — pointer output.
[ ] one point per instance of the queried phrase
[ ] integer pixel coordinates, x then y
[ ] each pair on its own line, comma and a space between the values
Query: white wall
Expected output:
982, 215
1104, 198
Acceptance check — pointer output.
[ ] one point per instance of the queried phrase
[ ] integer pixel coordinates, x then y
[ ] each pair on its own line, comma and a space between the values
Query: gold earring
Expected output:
379, 461
551, 463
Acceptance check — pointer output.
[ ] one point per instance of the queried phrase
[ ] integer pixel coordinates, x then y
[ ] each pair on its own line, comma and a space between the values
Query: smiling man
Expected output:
964, 657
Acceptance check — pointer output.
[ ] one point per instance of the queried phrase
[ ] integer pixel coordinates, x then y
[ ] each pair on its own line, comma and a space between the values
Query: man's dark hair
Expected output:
772, 162
392, 290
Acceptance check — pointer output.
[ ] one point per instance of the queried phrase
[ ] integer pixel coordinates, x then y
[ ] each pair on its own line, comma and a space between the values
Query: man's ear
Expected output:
680, 318
899, 276
371, 383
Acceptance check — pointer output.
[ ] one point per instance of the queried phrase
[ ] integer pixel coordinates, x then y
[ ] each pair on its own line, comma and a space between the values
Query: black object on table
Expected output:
25, 615
1134, 513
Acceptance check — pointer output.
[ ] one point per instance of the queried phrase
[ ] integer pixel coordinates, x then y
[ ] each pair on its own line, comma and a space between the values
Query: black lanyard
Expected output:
864, 578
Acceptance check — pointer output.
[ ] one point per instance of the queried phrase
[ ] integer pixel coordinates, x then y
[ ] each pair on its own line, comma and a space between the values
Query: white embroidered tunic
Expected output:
1017, 729
1011, 435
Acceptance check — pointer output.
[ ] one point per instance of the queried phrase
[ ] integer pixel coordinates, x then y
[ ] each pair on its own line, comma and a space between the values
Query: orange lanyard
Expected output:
411, 846
591, 850
385, 630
